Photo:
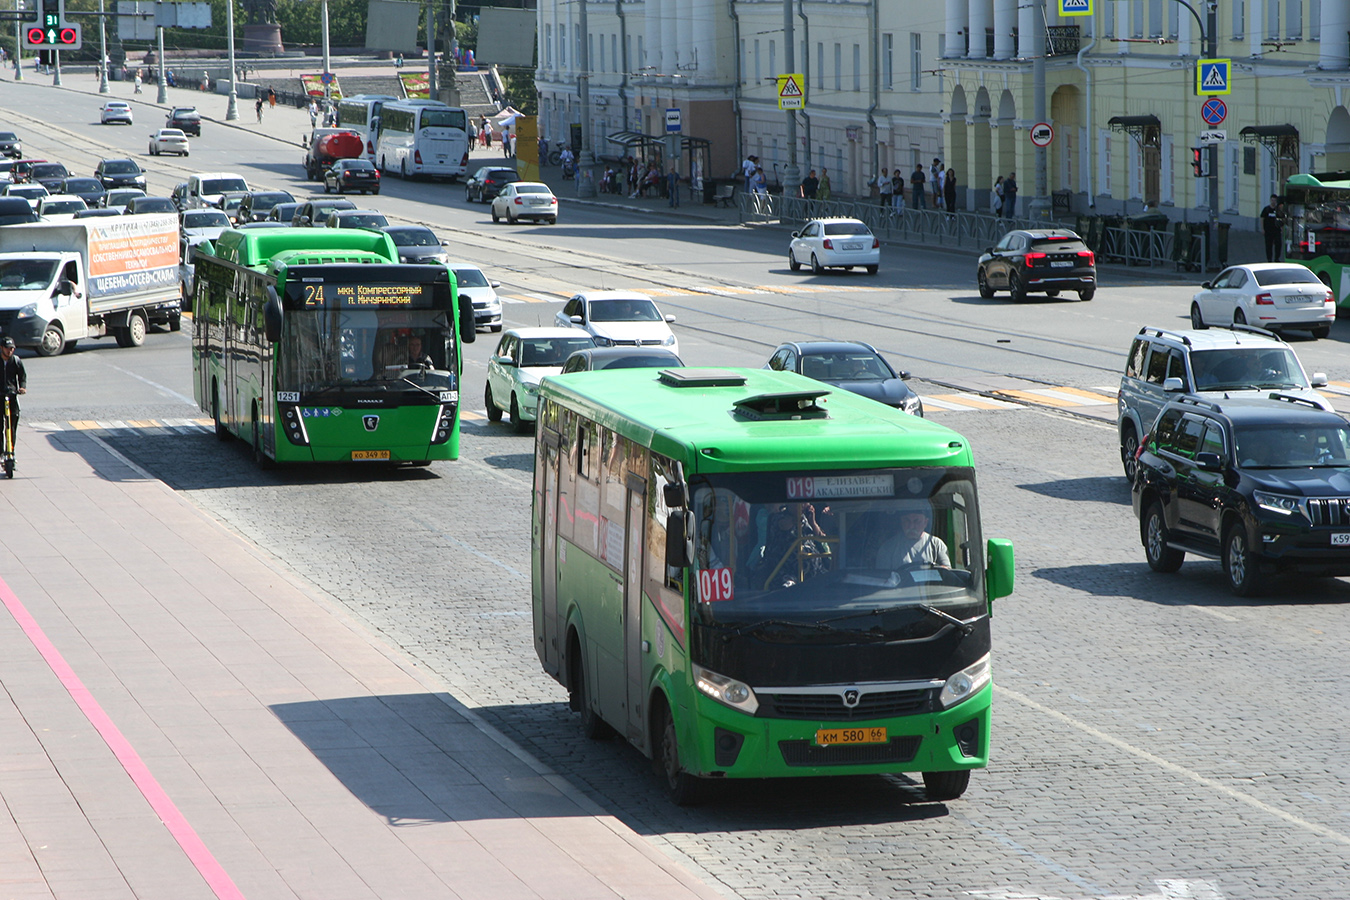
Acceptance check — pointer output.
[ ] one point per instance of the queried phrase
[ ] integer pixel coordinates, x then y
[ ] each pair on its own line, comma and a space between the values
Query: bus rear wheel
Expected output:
942, 786
579, 699
682, 788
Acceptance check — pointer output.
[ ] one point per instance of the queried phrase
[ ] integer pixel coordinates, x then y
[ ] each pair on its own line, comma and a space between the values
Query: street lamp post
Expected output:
586, 161
161, 95
232, 110
56, 68
102, 51
792, 173
327, 63
18, 42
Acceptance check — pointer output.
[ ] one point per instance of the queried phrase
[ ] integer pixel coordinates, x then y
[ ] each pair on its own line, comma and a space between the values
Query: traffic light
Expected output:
51, 31
1198, 161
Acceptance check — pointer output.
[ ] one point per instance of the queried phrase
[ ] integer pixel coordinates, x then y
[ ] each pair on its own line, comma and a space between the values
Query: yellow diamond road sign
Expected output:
790, 94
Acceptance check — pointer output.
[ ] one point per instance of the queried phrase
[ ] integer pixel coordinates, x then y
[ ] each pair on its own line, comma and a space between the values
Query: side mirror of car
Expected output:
495, 284
1207, 285
1173, 385
1319, 379
578, 320
904, 376
1208, 462
670, 320
796, 234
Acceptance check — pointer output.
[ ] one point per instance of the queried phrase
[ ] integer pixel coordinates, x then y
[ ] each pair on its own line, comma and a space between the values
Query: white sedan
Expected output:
525, 200
834, 243
115, 111
619, 319
59, 207
522, 358
169, 140
30, 192
1272, 295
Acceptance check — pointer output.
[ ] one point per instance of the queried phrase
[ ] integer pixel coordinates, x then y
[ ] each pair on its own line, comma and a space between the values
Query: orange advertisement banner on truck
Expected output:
130, 253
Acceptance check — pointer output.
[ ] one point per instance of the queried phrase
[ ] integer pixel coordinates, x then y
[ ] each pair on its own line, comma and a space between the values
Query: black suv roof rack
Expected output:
1293, 398
1200, 401
1163, 332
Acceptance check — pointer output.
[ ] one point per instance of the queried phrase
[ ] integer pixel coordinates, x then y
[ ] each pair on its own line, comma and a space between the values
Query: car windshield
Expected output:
1247, 368
636, 361
1296, 446
26, 274
362, 220
852, 365
49, 170
60, 207
443, 118
264, 202
636, 309
121, 167
26, 190
185, 114
1285, 275
205, 219
82, 184
222, 185
470, 278
231, 202
154, 205
8, 136
358, 165
414, 237
871, 546
367, 348
532, 189
122, 198
550, 352
846, 228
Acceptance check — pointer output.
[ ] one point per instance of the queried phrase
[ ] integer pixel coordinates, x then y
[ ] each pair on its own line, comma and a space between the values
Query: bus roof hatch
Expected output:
789, 405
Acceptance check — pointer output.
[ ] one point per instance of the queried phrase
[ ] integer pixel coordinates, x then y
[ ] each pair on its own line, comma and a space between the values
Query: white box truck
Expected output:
62, 282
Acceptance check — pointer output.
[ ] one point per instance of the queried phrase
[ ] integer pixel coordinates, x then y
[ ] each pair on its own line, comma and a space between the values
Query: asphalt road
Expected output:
1154, 737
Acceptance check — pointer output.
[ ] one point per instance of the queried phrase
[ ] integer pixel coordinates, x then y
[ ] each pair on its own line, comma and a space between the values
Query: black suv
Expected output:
487, 182
1047, 259
186, 119
120, 173
1262, 485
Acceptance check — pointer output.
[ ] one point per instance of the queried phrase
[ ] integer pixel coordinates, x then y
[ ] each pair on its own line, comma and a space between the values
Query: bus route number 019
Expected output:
714, 585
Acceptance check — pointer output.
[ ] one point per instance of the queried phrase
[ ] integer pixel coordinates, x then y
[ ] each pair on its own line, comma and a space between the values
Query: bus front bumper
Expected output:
732, 744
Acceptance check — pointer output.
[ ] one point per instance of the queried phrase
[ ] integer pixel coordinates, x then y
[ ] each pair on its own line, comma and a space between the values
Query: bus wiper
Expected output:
765, 623
966, 627
310, 396
426, 390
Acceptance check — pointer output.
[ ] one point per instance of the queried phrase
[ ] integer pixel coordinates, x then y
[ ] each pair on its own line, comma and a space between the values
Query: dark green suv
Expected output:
1262, 485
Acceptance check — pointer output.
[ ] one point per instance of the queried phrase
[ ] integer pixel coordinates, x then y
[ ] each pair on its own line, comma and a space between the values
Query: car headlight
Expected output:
965, 684
669, 341
27, 312
733, 693
1279, 503
913, 405
530, 387
602, 341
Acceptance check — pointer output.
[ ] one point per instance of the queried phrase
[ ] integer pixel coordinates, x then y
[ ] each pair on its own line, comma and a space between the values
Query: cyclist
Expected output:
15, 381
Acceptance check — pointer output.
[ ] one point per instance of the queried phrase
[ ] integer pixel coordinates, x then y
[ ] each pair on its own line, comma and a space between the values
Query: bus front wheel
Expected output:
682, 788
942, 786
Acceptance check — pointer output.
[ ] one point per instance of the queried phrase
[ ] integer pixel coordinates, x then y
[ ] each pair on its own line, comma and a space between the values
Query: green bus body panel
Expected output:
333, 437
1331, 272
256, 247
696, 425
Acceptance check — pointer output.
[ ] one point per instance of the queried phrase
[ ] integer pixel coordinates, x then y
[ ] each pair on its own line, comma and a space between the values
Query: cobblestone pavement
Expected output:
1153, 738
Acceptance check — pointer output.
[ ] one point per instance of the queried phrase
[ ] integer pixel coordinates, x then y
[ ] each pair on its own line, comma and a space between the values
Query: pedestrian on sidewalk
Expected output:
810, 184
823, 192
1272, 226
949, 190
885, 188
1010, 195
206, 81
271, 98
898, 191
673, 186
314, 113
258, 106
138, 81
996, 201
916, 183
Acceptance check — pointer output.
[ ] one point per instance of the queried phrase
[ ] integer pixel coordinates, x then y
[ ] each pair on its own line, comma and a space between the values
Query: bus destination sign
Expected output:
347, 294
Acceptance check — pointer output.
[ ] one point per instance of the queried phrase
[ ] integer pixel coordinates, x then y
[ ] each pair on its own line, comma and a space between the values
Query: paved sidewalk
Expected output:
180, 718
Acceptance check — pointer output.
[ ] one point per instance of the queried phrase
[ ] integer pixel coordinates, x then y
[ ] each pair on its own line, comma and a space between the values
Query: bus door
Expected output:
548, 548
634, 541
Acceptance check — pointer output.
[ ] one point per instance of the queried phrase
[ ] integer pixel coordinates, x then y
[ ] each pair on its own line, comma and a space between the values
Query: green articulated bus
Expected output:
749, 575
316, 345
1318, 206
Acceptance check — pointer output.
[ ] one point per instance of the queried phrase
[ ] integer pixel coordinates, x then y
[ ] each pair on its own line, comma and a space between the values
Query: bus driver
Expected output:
913, 545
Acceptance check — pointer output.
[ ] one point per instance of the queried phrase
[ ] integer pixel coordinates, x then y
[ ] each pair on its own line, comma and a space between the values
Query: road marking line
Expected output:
84, 425
969, 401
472, 416
1176, 769
177, 824
1091, 396
1037, 397
1338, 387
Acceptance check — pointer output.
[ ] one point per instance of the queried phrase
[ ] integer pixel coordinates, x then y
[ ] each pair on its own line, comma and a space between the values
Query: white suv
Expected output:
1243, 361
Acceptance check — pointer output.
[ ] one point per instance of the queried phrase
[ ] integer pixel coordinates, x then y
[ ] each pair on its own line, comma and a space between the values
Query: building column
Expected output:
1184, 25
705, 39
650, 63
1122, 11
1005, 17
957, 19
1335, 41
1027, 23
979, 24
1256, 26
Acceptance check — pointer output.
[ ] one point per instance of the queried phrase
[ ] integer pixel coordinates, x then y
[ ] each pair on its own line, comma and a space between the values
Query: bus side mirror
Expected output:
468, 331
678, 551
272, 317
998, 577
673, 494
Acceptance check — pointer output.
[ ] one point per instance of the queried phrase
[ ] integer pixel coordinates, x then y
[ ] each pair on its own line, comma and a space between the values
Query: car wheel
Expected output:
1321, 331
1242, 567
1197, 319
384, 169
943, 786
792, 262
494, 412
1129, 446
468, 198
1239, 317
403, 170
983, 283
510, 217
495, 218
579, 700
1161, 558
1016, 287
326, 188
495, 329
519, 424
816, 267
1086, 294
552, 220
1052, 292
53, 341
872, 270
376, 192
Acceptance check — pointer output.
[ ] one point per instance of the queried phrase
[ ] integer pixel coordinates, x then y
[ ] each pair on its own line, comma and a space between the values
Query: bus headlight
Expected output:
733, 693
965, 684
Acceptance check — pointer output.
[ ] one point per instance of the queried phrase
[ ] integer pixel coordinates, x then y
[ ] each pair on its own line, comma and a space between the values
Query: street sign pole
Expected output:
1212, 49
102, 51
792, 175
18, 42
232, 108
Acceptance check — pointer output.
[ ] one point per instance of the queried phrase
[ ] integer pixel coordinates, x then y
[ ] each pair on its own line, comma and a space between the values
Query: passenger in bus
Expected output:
790, 554
912, 545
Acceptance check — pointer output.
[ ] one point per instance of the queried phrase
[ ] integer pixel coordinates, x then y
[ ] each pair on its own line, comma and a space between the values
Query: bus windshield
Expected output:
384, 349
443, 118
821, 549
1320, 219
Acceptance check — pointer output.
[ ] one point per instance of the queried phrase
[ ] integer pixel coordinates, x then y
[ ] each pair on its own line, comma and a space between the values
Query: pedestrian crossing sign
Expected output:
790, 93
1213, 76
1075, 7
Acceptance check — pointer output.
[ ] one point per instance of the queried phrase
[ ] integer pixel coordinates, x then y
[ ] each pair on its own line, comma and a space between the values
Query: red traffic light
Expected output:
37, 36
68, 36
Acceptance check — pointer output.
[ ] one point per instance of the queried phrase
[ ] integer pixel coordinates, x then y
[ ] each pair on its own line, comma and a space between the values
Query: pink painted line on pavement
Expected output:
200, 857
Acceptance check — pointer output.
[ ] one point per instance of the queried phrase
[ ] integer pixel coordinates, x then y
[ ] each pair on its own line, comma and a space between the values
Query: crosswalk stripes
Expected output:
960, 402
1057, 396
1338, 387
181, 426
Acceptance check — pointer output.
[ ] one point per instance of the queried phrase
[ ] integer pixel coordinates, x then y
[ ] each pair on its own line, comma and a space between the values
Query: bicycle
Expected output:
555, 156
7, 443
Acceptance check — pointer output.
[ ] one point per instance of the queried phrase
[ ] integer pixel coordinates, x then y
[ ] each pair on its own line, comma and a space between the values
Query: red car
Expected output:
21, 169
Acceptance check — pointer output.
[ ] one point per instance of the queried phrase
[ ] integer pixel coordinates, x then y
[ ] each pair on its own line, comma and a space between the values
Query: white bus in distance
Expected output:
361, 113
422, 138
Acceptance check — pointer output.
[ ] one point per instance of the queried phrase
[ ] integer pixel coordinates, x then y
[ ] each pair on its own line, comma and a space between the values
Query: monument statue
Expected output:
262, 34
261, 12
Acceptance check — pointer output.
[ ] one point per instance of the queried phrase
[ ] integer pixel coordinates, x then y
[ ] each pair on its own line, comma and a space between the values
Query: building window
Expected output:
548, 46
1314, 20
757, 71
642, 52
1173, 20
888, 61
1137, 18
820, 66
1239, 12
1293, 28
915, 61
838, 67
745, 63
614, 53
773, 59
590, 52
562, 45
1273, 20
1230, 200
857, 67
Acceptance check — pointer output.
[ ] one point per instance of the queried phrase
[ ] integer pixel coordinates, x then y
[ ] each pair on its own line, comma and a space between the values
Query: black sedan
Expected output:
10, 145
186, 119
487, 182
1049, 260
850, 365
140, 206
416, 243
258, 204
120, 173
90, 190
49, 175
352, 175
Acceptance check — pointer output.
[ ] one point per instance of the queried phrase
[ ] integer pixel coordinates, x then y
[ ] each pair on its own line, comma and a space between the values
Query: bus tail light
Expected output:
1264, 300
417, 157
465, 160
370, 147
